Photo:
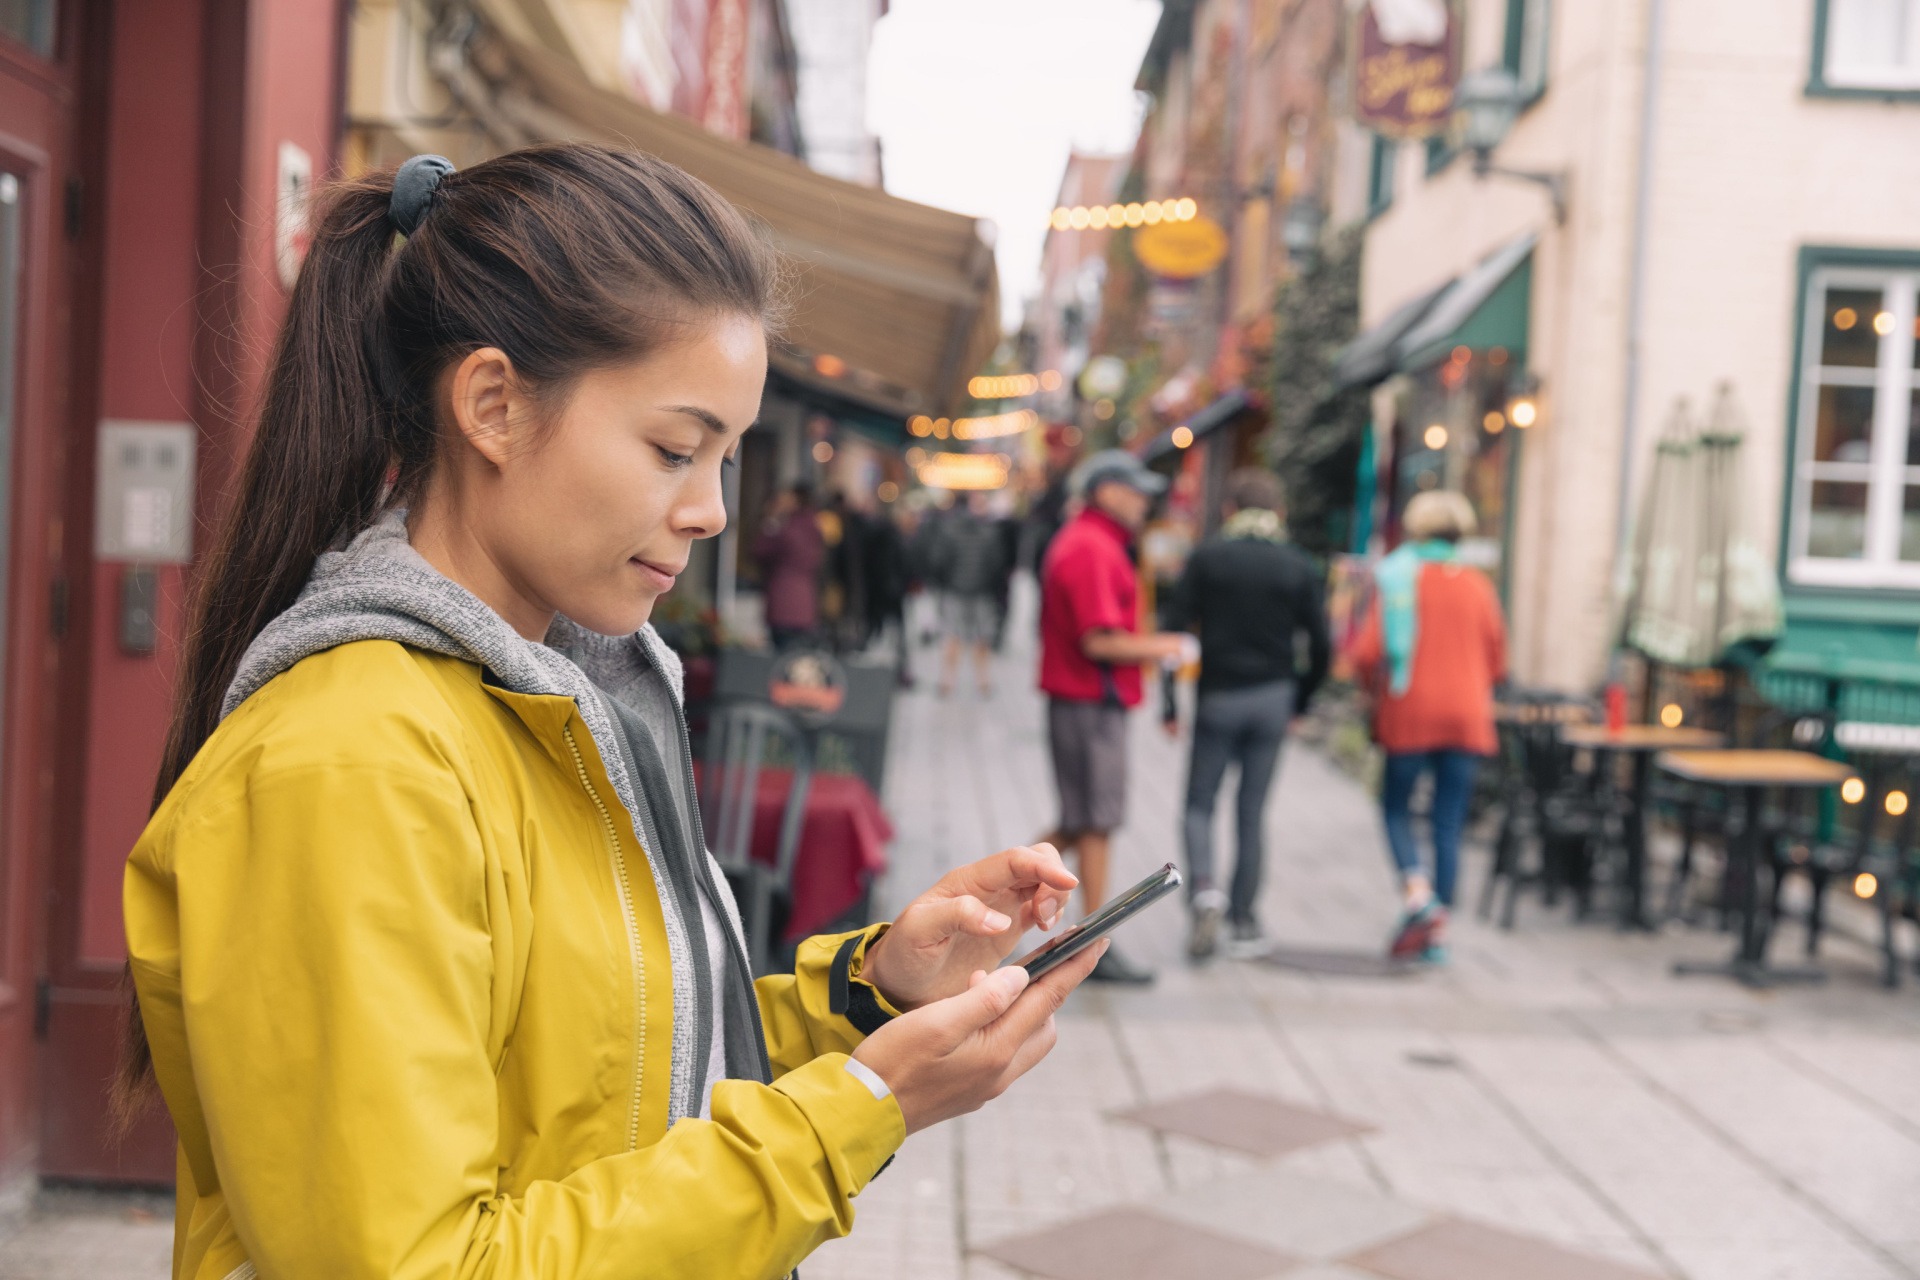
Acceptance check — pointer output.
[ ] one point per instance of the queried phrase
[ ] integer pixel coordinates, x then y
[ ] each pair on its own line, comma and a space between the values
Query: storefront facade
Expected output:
144, 152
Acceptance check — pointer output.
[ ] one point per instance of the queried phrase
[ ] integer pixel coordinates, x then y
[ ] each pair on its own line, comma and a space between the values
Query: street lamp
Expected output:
1300, 229
1488, 103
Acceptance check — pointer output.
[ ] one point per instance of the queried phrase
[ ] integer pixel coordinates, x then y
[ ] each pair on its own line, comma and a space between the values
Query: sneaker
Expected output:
1435, 955
1248, 940
1209, 909
1417, 930
1114, 968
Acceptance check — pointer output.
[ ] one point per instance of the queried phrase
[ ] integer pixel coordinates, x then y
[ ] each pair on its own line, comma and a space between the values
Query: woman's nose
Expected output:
703, 513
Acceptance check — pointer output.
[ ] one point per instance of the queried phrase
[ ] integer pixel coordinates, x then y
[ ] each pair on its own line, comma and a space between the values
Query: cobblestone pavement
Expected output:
1554, 1082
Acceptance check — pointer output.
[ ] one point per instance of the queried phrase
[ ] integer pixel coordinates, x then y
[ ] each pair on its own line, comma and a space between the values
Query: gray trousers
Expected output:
1243, 727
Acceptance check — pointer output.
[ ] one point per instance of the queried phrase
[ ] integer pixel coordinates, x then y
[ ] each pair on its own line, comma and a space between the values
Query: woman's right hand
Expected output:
953, 1056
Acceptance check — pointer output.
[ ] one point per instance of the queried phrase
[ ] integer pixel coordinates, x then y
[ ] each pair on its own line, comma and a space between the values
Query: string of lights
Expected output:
990, 428
1011, 386
1098, 216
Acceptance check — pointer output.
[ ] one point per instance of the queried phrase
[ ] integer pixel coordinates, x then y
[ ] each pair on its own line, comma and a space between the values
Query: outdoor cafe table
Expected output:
1751, 773
843, 844
1640, 741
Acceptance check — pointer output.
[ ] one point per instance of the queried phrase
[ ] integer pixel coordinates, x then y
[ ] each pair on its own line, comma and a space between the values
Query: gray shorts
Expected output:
1089, 742
969, 618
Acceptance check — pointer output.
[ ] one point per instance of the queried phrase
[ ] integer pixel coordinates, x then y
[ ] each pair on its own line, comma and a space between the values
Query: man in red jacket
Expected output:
1091, 650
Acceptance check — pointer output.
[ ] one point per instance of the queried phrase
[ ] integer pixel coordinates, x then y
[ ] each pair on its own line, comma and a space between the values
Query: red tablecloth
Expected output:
843, 844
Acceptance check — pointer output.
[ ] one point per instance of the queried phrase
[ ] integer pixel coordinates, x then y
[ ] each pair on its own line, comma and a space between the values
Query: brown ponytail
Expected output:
566, 257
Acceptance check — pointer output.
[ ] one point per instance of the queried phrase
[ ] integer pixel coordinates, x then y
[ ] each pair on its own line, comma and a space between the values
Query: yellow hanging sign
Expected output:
1181, 250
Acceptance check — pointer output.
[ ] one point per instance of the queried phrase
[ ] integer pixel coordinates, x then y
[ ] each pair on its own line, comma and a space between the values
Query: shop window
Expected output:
1525, 49
1386, 154
1867, 46
30, 22
1855, 497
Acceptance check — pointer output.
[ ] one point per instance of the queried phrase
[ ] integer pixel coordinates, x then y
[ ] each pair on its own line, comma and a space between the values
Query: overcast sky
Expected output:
977, 102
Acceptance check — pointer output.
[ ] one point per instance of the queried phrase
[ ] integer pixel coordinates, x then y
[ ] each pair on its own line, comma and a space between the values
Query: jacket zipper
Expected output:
637, 963
705, 862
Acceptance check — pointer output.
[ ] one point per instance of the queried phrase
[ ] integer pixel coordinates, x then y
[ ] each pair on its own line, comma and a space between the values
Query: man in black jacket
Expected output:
1252, 597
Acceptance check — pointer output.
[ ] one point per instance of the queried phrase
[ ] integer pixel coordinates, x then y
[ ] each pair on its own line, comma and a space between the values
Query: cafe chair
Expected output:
742, 739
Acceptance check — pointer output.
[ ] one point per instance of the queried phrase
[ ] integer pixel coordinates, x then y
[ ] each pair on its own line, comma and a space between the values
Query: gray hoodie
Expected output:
628, 689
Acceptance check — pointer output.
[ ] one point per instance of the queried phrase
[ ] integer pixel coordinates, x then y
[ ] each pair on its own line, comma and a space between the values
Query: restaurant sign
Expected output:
1406, 64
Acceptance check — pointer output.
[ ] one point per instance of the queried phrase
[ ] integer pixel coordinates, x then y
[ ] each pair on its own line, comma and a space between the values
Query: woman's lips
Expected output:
662, 576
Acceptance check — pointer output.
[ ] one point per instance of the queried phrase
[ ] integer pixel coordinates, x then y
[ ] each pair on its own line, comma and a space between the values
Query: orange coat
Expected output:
1459, 654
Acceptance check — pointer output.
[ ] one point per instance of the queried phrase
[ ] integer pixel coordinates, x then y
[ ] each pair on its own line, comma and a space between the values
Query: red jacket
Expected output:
1459, 654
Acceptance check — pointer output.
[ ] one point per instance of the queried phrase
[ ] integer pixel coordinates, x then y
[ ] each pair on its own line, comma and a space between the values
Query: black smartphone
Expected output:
1073, 941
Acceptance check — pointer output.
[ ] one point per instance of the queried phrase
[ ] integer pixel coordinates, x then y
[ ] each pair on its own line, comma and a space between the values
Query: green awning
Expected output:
1485, 308
1850, 638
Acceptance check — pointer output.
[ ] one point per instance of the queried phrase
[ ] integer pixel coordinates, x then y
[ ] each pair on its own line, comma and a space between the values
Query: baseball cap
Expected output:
1120, 466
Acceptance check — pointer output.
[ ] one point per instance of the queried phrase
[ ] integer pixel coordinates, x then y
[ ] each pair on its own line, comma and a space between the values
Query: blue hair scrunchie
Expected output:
413, 188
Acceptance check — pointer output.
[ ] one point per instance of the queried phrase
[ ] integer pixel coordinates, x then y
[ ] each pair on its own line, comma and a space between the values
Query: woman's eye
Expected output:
673, 459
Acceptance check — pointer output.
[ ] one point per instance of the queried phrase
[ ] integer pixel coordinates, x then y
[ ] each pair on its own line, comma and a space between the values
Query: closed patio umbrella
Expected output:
1697, 584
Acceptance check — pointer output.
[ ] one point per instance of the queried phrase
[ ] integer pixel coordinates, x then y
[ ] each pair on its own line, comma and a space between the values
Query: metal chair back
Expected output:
742, 739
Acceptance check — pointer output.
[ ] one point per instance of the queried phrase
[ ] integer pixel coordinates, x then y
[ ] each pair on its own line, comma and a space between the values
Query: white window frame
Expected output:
1886, 473
1536, 17
1905, 76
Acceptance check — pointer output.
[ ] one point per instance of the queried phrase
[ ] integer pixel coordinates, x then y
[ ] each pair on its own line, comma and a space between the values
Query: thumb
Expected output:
987, 998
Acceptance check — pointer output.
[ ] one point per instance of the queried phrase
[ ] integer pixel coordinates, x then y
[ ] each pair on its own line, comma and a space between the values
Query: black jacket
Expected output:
1251, 600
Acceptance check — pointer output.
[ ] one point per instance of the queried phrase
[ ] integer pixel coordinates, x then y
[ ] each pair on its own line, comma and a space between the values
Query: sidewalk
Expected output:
1555, 1083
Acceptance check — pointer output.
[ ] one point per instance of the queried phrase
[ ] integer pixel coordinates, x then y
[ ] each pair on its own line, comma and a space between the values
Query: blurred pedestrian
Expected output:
790, 551
845, 529
1091, 651
889, 577
972, 553
1254, 598
1431, 650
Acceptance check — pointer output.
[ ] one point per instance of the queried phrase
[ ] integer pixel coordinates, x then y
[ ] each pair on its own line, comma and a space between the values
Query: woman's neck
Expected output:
436, 529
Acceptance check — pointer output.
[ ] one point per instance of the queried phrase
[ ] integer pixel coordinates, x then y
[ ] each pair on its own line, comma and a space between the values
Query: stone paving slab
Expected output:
1137, 1244
1470, 1251
1293, 1213
1252, 1123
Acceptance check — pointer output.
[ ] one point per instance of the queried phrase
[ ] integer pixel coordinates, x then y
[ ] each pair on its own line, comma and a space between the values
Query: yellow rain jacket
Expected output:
406, 982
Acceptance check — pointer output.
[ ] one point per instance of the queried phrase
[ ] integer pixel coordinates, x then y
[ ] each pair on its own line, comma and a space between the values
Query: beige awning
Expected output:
902, 295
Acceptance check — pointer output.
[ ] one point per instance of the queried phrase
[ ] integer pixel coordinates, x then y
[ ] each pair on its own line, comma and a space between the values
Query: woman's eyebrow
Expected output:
707, 418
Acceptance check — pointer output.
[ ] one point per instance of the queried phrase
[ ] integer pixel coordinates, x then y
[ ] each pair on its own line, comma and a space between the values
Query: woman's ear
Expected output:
489, 409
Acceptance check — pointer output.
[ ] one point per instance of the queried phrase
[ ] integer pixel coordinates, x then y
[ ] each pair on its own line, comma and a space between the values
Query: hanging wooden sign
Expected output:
1406, 64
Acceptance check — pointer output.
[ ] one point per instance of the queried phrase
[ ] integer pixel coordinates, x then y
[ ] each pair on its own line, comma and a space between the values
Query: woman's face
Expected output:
594, 513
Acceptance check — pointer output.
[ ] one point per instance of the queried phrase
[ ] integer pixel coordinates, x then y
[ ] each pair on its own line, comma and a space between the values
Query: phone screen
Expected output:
1102, 922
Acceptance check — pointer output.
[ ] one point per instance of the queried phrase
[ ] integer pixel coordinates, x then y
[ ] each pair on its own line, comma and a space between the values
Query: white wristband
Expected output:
867, 1076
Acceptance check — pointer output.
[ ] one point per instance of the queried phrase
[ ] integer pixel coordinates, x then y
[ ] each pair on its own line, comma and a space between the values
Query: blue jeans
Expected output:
1452, 787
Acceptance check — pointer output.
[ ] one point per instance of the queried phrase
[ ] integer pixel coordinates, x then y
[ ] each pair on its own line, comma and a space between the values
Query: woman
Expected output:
791, 551
1431, 651
433, 970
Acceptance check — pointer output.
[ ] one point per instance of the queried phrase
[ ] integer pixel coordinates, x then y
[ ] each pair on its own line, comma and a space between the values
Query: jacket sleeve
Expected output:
1179, 613
823, 1006
1496, 636
1368, 650
1313, 620
344, 987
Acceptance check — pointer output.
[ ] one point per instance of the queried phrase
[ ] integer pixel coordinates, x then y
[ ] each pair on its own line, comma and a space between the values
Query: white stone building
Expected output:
1750, 216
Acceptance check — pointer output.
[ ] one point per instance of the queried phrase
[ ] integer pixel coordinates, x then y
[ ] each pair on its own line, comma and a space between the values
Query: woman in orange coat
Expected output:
1431, 650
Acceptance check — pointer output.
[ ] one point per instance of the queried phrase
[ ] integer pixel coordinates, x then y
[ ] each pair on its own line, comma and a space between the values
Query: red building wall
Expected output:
199, 96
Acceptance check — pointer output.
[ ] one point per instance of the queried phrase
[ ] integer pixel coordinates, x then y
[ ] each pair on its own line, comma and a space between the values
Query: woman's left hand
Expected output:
967, 922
